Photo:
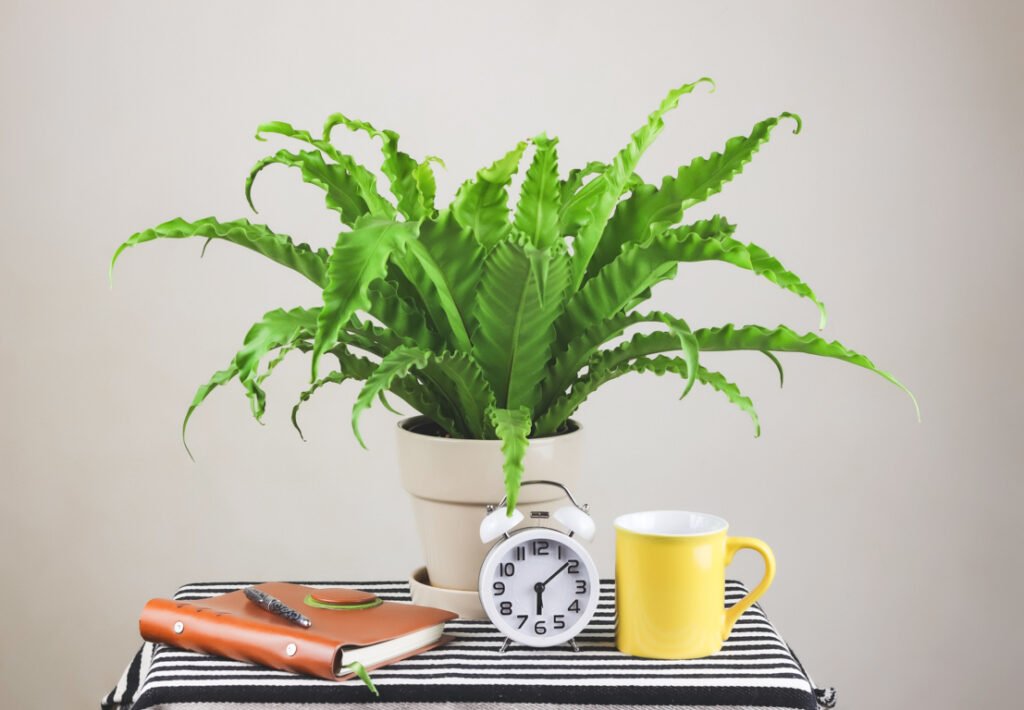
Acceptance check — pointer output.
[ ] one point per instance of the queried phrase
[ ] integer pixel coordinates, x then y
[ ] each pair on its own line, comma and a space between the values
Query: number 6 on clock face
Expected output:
539, 587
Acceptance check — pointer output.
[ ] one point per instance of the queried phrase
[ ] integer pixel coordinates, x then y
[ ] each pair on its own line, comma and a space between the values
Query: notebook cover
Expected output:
230, 625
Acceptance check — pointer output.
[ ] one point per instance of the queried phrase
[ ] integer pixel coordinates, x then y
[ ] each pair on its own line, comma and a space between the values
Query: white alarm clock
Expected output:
538, 585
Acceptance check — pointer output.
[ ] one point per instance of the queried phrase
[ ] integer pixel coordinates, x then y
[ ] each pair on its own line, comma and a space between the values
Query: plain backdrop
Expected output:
898, 543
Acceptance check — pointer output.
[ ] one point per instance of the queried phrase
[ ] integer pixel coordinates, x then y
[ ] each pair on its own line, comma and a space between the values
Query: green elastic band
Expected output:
310, 601
357, 668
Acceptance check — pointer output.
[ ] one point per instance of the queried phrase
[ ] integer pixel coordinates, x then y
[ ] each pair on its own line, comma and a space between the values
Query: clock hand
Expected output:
557, 572
539, 588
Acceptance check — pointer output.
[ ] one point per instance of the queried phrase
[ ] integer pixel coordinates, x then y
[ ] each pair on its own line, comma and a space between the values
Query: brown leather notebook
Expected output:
348, 625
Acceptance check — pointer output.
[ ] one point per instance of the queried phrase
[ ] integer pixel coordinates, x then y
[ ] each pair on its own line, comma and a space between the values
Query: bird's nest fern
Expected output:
498, 323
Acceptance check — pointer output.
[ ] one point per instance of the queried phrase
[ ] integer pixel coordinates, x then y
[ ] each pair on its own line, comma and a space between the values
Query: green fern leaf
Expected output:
778, 367
715, 380
692, 246
362, 674
601, 194
402, 317
359, 258
459, 256
277, 329
453, 391
469, 390
719, 383
351, 368
335, 377
576, 206
481, 205
404, 172
606, 371
640, 266
679, 337
633, 273
365, 180
401, 170
341, 192
395, 365
576, 202
678, 329
282, 353
220, 378
783, 339
353, 124
384, 402
427, 397
539, 200
426, 183
446, 387
371, 338
514, 337
358, 368
649, 210
276, 247
437, 396
570, 359
409, 292
424, 398
435, 291
751, 337
513, 427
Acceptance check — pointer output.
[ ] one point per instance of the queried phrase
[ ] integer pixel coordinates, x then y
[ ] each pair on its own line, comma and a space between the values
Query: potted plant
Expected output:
496, 322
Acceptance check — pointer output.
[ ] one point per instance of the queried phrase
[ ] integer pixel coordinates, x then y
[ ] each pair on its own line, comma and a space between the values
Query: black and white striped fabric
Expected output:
755, 669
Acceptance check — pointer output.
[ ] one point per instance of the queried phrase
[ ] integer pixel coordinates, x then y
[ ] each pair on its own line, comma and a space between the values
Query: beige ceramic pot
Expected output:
452, 481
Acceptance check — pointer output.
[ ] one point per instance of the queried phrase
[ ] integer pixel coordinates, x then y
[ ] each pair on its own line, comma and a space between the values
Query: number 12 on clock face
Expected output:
539, 587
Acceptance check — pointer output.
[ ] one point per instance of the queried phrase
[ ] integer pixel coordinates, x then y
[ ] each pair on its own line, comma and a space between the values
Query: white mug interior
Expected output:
671, 523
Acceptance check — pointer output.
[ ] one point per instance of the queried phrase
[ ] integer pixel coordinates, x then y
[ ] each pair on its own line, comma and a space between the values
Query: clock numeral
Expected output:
575, 606
499, 588
560, 621
560, 551
506, 608
574, 567
522, 619
506, 569
540, 547
520, 553
581, 586
539, 628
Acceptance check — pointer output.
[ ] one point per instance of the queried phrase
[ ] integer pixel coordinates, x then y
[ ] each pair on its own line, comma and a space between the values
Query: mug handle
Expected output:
732, 546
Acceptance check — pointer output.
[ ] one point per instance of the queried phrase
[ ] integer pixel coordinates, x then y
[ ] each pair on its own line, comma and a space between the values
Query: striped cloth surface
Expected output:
755, 669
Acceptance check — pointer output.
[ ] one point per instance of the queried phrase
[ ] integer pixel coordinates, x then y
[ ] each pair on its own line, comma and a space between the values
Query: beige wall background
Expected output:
898, 542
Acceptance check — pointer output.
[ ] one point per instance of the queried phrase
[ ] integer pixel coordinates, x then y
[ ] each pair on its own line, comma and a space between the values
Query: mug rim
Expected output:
627, 523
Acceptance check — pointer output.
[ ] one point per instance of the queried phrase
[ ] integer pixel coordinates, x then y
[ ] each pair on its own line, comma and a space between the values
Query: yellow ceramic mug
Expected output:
670, 583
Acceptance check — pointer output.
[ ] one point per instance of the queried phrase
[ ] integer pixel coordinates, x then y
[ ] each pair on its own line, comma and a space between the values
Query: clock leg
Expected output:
575, 648
505, 645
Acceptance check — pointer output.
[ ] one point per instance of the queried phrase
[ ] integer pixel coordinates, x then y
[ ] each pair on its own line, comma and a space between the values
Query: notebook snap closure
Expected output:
342, 596
178, 627
290, 649
340, 599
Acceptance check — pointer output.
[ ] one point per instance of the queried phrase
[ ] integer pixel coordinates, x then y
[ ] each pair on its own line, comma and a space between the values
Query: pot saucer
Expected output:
465, 603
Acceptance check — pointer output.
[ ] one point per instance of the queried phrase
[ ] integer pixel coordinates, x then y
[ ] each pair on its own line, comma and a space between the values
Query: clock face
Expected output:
539, 587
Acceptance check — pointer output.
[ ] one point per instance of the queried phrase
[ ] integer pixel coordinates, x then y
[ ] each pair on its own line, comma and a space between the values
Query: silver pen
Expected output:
276, 606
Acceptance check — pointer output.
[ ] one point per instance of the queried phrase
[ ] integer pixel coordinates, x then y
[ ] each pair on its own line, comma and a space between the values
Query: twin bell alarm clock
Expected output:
538, 585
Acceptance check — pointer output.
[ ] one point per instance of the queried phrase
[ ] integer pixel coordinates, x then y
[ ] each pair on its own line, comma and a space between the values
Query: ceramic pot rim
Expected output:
405, 428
